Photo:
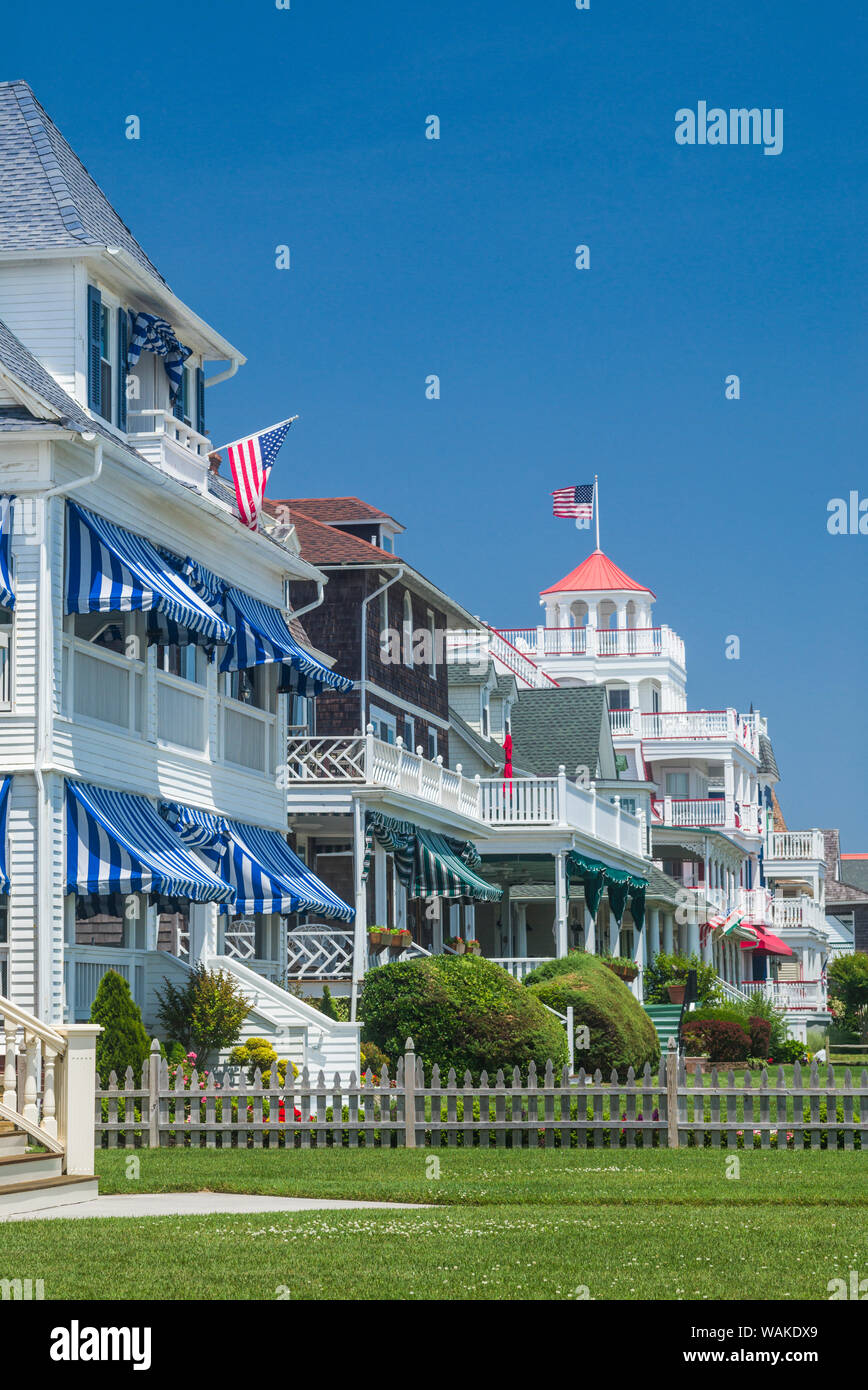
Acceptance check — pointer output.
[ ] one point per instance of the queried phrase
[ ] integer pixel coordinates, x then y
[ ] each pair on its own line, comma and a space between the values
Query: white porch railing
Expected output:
478, 646
796, 844
519, 966
558, 801
729, 991
84, 967
246, 734
372, 760
49, 1083
797, 913
723, 813
790, 994
171, 445
319, 953
722, 724
540, 642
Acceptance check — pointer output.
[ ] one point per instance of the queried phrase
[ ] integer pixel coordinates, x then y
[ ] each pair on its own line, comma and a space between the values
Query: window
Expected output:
105, 364
409, 732
188, 663
677, 784
250, 687
6, 617
486, 713
432, 744
385, 725
655, 700
4, 945
183, 406
385, 541
432, 638
114, 632
628, 803
507, 716
619, 697
302, 711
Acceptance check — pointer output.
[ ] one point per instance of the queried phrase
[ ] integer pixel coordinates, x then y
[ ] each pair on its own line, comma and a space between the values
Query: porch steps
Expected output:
32, 1181
665, 1019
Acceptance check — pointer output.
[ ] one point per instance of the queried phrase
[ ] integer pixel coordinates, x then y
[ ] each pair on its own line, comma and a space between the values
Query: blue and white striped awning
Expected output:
261, 635
110, 570
259, 866
117, 842
7, 597
5, 784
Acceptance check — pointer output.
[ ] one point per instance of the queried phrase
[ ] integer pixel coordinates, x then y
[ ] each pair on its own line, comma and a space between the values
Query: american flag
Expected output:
575, 501
251, 461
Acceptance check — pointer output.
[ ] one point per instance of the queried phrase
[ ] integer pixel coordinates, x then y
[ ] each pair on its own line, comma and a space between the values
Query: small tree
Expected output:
123, 1042
847, 978
327, 1006
206, 1014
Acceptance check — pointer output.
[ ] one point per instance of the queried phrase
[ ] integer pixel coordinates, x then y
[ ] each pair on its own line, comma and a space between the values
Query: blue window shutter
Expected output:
179, 409
123, 349
200, 400
94, 348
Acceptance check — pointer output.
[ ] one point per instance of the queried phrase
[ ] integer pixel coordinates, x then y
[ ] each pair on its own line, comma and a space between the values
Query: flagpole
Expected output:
597, 508
291, 421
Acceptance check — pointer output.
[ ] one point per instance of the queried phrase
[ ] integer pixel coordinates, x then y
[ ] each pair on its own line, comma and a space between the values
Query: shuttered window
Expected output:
94, 349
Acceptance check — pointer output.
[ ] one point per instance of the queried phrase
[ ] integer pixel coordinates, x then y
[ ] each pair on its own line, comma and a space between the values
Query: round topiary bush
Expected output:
621, 1033
462, 1012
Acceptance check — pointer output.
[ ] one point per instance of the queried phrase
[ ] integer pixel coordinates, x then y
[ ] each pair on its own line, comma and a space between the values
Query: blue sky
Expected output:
306, 127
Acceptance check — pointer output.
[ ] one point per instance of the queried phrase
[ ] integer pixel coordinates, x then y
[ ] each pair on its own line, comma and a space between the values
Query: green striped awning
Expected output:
443, 870
398, 837
594, 876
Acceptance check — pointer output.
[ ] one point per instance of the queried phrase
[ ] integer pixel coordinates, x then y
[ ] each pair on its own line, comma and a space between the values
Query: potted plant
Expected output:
623, 967
676, 992
458, 944
472, 948
399, 939
378, 937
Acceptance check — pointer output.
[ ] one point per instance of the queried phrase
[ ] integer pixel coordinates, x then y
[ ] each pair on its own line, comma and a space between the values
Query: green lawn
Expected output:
501, 1224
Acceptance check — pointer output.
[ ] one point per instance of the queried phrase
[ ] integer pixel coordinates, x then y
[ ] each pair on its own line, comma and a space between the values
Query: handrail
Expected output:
31, 1024
49, 1141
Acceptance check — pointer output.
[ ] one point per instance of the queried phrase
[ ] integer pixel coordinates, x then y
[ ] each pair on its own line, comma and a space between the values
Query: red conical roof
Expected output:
597, 573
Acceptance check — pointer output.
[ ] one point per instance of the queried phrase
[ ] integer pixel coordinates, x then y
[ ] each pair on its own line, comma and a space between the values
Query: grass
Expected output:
501, 1224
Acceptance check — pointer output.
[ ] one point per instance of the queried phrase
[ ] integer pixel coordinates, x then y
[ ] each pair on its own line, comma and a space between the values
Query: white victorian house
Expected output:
149, 664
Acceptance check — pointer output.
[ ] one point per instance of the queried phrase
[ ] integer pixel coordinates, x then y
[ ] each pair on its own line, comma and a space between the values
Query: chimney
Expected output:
214, 461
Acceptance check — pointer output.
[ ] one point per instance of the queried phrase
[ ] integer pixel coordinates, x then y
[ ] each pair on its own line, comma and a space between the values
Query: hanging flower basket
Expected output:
399, 940
626, 970
378, 937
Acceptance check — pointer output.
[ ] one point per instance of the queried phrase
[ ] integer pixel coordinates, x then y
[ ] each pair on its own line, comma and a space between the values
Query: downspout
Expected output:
320, 595
224, 376
364, 639
44, 716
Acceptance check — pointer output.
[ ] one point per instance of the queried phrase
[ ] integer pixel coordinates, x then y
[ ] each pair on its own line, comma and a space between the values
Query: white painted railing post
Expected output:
10, 1089
409, 1095
618, 821
369, 753
153, 1095
440, 779
562, 795
76, 1113
479, 807
671, 1095
667, 810
49, 1101
30, 1107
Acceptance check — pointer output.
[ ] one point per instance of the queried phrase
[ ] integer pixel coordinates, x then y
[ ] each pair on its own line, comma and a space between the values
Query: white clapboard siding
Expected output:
37, 302
22, 896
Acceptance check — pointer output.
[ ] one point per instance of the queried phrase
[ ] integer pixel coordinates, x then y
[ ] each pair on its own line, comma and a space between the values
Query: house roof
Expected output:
779, 824
488, 748
854, 870
597, 573
562, 725
337, 511
469, 673
324, 544
838, 888
768, 763
48, 200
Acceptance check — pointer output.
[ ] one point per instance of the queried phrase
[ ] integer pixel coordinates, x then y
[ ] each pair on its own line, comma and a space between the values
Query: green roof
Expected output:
562, 725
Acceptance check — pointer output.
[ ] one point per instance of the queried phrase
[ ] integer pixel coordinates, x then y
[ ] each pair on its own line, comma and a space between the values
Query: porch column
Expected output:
653, 933
590, 932
692, 938
360, 930
381, 894
435, 907
470, 921
561, 909
614, 935
639, 957
399, 898
668, 925
521, 929
203, 932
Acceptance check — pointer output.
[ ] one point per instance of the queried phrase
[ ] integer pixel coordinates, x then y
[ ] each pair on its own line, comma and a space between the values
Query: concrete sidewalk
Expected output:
200, 1204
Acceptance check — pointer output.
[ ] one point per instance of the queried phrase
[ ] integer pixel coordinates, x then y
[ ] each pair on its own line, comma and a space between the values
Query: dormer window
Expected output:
486, 714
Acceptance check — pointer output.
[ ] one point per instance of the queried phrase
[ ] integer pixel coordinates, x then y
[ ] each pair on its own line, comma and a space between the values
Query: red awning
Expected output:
767, 942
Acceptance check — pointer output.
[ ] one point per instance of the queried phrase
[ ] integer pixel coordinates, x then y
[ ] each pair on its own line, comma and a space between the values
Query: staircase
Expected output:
32, 1181
665, 1019
46, 1113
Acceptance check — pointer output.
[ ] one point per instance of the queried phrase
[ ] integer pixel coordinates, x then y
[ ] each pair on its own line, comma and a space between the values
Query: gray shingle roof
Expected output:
486, 746
468, 672
563, 725
48, 200
767, 756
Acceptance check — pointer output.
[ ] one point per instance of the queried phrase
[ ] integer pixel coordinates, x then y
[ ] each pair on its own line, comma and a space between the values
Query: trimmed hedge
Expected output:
621, 1033
462, 1012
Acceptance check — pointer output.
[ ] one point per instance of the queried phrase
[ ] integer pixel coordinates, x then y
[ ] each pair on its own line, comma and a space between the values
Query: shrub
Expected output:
462, 1012
373, 1059
258, 1052
206, 1014
760, 1036
620, 1033
123, 1042
667, 970
848, 987
722, 1040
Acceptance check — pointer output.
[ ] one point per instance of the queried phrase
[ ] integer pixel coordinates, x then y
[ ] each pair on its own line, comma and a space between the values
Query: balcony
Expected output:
703, 813
326, 762
171, 445
541, 642
481, 645
795, 845
555, 801
721, 725
797, 914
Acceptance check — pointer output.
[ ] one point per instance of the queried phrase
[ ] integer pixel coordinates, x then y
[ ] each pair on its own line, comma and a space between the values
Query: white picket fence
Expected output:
226, 1109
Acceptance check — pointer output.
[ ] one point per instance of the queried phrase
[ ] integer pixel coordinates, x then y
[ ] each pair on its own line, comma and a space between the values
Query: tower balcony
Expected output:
675, 726
706, 813
539, 643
